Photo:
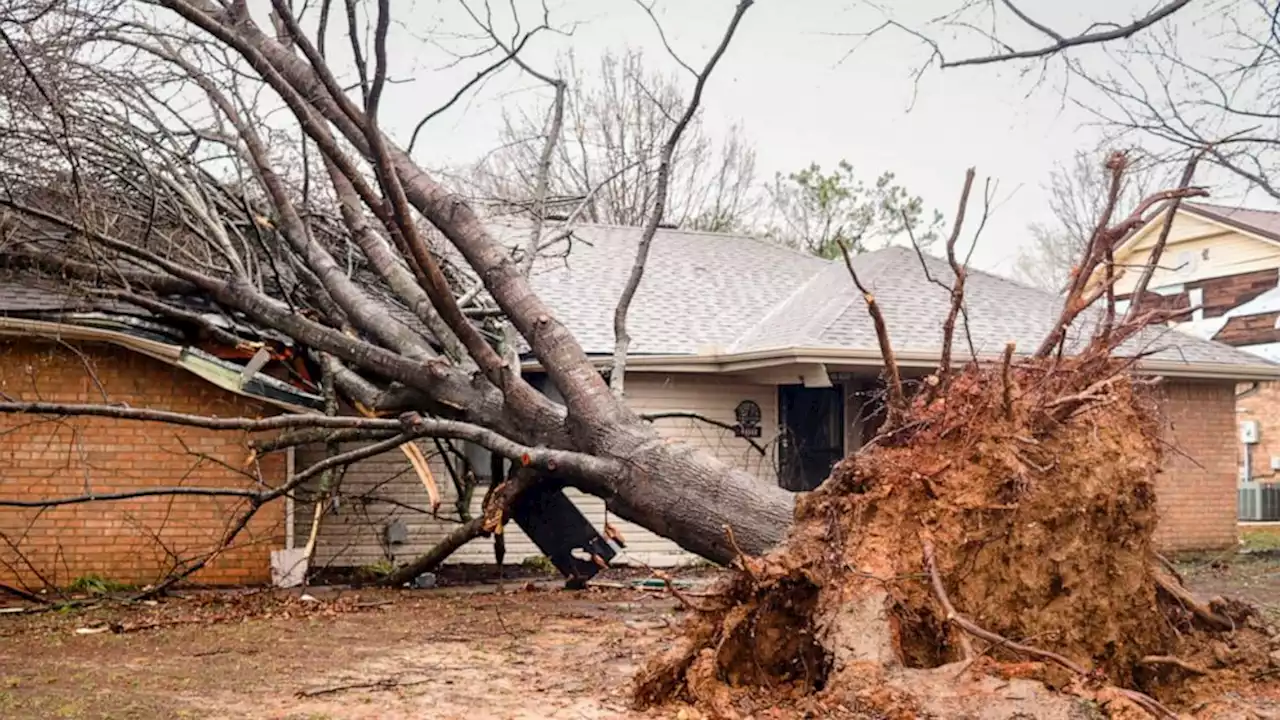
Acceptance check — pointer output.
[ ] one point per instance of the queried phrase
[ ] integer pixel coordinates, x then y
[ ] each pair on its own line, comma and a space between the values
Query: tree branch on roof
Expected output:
26, 257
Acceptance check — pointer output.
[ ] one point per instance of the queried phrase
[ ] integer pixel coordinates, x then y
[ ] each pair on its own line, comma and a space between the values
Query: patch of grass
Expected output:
1260, 539
97, 585
376, 571
539, 563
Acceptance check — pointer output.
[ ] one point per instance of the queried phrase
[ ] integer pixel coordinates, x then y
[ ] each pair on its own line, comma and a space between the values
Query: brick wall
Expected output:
1197, 491
1219, 294
134, 541
1250, 330
1263, 405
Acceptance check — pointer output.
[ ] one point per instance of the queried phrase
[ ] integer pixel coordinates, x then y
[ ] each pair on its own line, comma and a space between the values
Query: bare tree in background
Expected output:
1209, 82
1077, 196
616, 120
986, 32
174, 143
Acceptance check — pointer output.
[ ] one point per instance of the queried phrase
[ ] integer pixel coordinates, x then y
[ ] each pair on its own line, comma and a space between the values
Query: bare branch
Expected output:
896, 404
1065, 43
960, 271
622, 341
1157, 251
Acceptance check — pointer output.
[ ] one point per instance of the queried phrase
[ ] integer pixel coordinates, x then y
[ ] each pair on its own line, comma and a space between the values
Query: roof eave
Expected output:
741, 362
172, 355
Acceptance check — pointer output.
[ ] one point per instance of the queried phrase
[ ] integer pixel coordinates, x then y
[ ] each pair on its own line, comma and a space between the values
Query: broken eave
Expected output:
225, 374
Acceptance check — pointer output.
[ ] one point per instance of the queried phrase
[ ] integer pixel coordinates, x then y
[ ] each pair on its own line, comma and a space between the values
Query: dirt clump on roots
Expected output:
991, 556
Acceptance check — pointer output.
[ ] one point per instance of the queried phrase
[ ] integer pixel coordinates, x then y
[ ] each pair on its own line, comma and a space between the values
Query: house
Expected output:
724, 323
1223, 265
758, 354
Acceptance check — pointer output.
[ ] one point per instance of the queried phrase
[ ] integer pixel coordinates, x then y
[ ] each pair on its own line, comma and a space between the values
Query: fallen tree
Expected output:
150, 137
990, 553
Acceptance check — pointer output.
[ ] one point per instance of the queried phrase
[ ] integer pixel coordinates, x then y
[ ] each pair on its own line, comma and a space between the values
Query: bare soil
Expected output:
466, 652
526, 653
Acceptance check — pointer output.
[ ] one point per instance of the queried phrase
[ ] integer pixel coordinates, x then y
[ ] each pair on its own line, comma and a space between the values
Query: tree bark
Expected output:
690, 497
676, 491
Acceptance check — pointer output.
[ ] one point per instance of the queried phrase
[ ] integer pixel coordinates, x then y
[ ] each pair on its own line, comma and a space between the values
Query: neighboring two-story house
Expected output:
1223, 265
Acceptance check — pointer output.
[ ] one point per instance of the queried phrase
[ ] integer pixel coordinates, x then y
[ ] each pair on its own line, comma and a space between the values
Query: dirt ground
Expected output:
530, 652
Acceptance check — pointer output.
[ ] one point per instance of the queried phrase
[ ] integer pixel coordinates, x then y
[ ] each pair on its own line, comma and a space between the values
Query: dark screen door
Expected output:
812, 439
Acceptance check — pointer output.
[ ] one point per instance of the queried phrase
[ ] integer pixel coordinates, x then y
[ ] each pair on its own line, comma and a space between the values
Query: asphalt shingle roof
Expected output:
707, 292
700, 292
710, 293
998, 310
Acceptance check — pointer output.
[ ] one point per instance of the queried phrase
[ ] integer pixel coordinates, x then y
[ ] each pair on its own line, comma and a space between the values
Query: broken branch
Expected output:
896, 407
957, 289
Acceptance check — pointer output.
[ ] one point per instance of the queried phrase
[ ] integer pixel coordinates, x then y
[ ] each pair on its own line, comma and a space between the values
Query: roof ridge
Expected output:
1233, 208
781, 305
1231, 217
512, 220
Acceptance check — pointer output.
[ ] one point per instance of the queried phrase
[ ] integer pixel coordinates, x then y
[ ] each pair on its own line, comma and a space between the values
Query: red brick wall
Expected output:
1197, 491
133, 541
1219, 295
1262, 405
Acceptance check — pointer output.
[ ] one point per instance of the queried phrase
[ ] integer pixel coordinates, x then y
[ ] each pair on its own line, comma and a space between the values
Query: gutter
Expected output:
21, 328
870, 359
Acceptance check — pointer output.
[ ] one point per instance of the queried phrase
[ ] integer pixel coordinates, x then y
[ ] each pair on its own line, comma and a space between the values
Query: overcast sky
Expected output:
790, 80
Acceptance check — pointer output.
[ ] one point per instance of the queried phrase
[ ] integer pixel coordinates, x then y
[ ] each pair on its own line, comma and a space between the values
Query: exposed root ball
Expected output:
1034, 485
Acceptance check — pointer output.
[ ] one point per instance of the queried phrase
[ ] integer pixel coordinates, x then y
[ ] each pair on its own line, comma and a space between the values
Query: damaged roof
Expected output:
706, 294
36, 307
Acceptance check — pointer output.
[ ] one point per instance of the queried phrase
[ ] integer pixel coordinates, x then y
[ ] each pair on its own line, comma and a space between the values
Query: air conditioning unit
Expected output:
1249, 432
1260, 503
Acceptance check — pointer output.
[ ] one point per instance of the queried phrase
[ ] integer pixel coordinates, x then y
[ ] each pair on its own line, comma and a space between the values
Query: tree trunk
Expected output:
674, 490
687, 496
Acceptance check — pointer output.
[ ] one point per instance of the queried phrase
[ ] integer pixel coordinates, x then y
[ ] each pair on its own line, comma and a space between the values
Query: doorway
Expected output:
812, 437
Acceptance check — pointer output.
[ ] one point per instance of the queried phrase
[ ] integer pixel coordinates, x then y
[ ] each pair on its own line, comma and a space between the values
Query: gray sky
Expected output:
790, 80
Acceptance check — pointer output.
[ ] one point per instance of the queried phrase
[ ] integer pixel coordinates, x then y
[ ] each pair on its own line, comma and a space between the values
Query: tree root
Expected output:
970, 627
1173, 661
1171, 586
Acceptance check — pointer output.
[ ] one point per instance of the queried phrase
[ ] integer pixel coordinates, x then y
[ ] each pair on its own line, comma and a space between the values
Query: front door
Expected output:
812, 438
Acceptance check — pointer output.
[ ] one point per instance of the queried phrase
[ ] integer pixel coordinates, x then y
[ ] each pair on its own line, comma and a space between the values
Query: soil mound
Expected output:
989, 557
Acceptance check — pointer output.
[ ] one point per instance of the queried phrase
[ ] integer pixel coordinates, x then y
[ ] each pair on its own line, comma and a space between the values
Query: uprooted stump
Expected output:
1023, 498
